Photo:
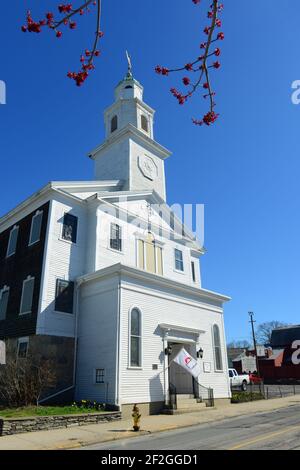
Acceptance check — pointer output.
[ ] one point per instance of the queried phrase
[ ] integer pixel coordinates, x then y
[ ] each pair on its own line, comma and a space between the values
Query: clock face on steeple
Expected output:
148, 167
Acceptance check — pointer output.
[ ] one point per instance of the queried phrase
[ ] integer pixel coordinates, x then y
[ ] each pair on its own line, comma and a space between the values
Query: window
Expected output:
36, 226
64, 296
193, 271
115, 237
150, 256
4, 294
179, 260
144, 123
70, 228
12, 242
114, 124
99, 376
22, 347
27, 295
217, 348
135, 338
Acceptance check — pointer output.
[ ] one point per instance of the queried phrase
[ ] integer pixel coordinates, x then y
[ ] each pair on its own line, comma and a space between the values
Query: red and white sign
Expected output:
185, 360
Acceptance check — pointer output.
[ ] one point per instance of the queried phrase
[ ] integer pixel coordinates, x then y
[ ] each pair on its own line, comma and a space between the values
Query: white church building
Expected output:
117, 290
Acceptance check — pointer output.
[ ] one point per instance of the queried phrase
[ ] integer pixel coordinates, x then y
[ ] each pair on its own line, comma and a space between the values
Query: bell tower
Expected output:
129, 152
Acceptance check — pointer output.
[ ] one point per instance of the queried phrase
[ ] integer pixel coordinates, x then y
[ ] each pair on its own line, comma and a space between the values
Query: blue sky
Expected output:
245, 168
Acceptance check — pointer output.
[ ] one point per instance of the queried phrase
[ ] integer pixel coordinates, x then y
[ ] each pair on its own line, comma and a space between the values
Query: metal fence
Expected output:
269, 391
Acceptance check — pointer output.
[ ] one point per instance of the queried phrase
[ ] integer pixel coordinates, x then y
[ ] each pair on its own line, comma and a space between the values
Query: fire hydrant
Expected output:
136, 418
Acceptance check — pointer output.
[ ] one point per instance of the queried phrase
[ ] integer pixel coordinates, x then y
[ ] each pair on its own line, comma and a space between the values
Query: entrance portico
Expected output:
174, 338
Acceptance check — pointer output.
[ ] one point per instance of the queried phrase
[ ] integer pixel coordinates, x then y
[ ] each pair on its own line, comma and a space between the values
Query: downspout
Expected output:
118, 346
77, 289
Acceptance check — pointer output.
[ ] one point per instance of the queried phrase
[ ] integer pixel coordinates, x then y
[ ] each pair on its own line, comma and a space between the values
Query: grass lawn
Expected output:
44, 411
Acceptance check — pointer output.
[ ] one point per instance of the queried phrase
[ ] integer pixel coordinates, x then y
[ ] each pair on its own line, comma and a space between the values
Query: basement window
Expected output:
22, 347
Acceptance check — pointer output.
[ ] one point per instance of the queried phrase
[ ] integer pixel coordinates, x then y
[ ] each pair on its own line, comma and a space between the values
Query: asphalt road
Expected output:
276, 430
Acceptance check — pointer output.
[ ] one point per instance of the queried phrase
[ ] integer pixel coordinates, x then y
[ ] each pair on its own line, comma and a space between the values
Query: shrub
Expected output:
23, 381
242, 397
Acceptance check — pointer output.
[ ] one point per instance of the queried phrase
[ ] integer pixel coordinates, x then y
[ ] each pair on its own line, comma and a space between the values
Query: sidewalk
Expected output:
75, 437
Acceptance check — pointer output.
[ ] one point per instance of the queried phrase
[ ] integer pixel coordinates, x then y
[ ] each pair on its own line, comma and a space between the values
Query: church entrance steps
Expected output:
186, 404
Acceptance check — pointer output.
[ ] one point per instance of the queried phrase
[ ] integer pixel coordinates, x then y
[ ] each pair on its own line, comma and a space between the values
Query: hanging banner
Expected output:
185, 360
2, 353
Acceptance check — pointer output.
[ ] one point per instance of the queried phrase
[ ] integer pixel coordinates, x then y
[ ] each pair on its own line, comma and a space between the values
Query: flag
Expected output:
185, 360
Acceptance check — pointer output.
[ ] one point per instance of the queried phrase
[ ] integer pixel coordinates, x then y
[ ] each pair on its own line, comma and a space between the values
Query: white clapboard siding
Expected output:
63, 260
97, 340
146, 384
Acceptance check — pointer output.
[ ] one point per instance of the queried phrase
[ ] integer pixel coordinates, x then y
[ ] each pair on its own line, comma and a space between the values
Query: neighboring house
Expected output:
279, 366
244, 360
233, 353
245, 363
102, 278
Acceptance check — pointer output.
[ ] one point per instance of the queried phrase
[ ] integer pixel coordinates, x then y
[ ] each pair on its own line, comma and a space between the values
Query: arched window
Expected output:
217, 348
144, 123
114, 124
135, 338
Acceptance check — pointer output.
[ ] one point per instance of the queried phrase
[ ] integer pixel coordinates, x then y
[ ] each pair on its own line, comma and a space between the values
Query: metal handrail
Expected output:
206, 393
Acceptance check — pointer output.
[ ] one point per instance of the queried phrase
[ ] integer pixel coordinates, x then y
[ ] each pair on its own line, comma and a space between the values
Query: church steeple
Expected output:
129, 152
129, 107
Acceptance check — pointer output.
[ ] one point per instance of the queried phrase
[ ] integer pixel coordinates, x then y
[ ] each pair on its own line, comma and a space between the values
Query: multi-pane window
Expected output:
64, 296
99, 376
150, 255
12, 242
116, 237
217, 348
27, 295
144, 123
36, 226
23, 347
4, 295
114, 124
135, 338
193, 271
70, 228
179, 260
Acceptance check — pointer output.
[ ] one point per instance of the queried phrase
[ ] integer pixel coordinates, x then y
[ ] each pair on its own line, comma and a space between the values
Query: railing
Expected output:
201, 393
205, 394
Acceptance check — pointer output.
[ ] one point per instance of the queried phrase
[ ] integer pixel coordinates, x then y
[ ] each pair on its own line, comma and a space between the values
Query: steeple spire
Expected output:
129, 75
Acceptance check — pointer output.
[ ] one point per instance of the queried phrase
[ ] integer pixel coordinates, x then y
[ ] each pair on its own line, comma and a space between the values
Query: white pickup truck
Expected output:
238, 381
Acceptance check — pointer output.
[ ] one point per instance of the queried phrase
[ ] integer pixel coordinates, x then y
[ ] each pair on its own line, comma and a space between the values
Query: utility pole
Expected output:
251, 315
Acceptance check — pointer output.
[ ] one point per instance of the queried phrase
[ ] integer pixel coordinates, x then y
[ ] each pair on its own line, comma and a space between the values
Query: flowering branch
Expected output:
86, 59
200, 66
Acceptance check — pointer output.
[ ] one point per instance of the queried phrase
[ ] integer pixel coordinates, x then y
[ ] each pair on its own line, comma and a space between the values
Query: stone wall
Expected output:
41, 423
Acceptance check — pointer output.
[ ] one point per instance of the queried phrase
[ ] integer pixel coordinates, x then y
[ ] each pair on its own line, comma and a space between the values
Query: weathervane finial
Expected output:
129, 73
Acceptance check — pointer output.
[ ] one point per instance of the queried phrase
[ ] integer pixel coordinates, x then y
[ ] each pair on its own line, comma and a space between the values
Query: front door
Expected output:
180, 378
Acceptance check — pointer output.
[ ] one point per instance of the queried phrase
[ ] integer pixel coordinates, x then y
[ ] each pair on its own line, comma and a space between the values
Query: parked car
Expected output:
255, 379
238, 381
